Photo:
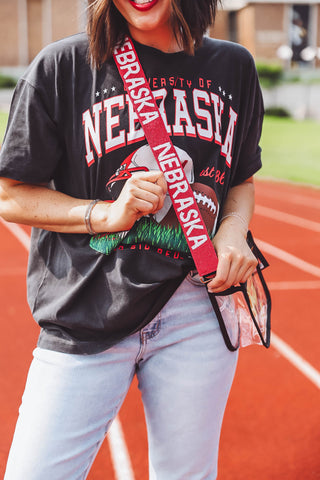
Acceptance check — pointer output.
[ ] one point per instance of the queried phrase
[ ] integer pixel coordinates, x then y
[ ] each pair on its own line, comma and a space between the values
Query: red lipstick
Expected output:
142, 7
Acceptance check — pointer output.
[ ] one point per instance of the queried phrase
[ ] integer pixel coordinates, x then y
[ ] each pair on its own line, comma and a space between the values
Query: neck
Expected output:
165, 41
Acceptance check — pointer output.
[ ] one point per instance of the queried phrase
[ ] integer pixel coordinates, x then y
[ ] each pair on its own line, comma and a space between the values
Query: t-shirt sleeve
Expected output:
249, 161
31, 149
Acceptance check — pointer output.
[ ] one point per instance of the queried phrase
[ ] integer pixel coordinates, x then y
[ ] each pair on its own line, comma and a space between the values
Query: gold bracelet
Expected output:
237, 215
87, 216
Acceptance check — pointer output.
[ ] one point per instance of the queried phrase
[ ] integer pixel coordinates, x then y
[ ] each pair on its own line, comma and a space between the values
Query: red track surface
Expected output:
271, 426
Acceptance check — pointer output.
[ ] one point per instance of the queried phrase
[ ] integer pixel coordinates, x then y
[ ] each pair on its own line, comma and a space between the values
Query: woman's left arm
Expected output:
236, 261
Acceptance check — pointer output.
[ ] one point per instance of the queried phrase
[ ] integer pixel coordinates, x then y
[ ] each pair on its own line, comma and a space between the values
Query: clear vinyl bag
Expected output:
244, 311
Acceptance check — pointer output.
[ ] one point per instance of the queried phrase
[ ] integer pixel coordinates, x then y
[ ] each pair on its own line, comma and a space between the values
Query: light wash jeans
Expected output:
184, 371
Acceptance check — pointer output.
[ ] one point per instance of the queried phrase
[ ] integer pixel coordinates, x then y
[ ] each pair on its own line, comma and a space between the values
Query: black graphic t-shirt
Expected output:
74, 128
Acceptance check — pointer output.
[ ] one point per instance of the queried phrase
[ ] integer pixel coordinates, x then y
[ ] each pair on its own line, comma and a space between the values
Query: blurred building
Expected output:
28, 25
262, 26
273, 29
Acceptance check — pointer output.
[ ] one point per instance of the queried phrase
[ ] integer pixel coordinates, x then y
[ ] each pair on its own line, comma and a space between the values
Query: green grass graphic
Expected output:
147, 231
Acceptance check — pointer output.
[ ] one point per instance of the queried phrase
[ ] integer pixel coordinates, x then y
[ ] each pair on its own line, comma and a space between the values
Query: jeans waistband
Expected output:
194, 278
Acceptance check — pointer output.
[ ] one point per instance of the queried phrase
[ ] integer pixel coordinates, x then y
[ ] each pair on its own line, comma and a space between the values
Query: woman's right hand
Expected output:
143, 194
42, 207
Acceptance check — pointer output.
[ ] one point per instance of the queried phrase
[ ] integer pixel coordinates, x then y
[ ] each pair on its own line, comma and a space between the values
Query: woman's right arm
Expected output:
42, 207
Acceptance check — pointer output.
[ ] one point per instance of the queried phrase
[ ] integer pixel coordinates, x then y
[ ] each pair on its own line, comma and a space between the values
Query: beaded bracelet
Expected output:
87, 216
237, 215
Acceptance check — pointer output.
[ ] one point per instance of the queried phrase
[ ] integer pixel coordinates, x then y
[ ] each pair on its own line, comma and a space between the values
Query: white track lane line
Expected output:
295, 285
282, 347
118, 448
298, 199
119, 452
18, 232
289, 258
293, 357
287, 218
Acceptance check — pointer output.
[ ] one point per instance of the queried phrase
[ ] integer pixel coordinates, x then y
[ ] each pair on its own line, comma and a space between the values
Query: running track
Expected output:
271, 427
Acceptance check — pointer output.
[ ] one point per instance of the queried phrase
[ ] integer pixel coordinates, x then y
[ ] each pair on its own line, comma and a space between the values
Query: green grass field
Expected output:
290, 149
3, 123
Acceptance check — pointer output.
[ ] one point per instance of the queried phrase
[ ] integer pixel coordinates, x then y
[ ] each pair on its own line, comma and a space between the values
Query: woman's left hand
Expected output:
236, 262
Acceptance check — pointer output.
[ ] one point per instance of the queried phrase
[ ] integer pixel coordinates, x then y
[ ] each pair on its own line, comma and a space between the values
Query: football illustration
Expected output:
207, 203
143, 160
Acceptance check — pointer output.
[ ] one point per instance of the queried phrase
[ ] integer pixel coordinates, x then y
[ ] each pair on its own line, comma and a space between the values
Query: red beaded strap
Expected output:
181, 194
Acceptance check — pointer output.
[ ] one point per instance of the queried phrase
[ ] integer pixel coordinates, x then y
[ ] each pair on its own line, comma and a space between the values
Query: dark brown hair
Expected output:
107, 28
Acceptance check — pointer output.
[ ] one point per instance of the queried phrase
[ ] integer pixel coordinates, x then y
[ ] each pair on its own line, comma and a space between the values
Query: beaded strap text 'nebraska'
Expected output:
181, 194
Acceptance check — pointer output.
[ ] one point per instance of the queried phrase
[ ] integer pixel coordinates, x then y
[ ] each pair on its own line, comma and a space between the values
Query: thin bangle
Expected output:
237, 215
87, 216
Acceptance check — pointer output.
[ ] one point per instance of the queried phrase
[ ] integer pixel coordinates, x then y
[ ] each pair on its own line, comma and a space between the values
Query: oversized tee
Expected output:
74, 128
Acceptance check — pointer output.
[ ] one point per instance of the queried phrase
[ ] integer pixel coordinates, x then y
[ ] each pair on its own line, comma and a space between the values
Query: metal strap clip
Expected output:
208, 277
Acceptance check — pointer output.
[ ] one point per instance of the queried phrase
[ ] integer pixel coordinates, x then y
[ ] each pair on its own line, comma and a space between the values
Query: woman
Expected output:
124, 303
